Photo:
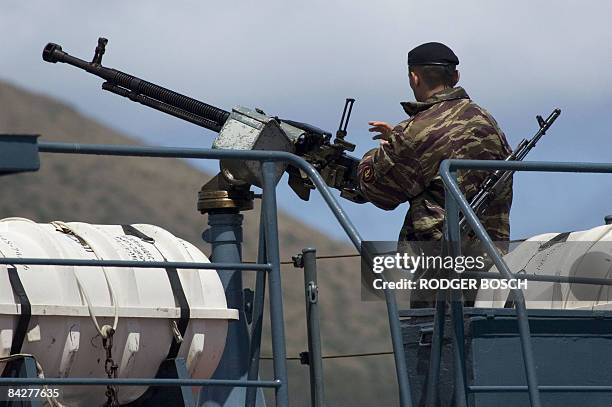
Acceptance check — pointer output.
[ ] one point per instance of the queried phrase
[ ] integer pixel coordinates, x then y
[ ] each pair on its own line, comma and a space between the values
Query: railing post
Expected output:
452, 188
254, 395
437, 341
315, 356
401, 368
453, 242
399, 354
277, 322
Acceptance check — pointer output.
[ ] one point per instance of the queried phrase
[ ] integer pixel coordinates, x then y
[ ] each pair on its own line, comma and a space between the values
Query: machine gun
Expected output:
242, 129
492, 185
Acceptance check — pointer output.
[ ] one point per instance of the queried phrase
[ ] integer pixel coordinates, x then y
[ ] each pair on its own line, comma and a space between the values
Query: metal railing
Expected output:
457, 203
269, 264
269, 232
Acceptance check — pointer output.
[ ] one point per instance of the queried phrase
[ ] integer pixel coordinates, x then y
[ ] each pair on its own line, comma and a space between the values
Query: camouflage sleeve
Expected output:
390, 174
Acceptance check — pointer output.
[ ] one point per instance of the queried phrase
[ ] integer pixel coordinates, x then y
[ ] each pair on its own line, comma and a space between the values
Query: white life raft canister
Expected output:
149, 305
585, 253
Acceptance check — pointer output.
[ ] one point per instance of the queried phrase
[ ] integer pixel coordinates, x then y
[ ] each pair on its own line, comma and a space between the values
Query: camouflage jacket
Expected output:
447, 125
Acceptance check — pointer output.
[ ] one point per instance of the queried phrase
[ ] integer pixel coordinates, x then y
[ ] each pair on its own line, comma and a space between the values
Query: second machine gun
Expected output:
241, 129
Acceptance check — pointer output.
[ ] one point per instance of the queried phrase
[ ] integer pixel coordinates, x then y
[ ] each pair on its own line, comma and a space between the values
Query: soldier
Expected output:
444, 123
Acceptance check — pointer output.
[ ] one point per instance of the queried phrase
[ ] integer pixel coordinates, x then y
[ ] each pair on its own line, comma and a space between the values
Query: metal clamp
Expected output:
312, 292
426, 336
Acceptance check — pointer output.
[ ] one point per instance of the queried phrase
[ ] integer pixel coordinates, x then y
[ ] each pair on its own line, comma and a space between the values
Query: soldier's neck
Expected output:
433, 91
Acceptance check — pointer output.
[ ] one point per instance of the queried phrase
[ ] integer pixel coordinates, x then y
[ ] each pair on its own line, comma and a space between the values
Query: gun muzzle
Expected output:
53, 53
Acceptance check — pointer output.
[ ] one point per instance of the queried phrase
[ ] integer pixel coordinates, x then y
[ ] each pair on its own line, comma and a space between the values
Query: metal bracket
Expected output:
247, 296
18, 153
426, 336
312, 293
298, 261
305, 358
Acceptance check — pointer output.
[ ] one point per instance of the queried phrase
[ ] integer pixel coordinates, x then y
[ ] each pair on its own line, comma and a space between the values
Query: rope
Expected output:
105, 329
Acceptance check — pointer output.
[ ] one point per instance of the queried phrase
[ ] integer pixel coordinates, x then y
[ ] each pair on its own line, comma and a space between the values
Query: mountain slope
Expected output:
137, 190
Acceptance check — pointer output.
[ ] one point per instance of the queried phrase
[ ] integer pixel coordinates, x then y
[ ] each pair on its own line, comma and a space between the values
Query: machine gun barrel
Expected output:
141, 91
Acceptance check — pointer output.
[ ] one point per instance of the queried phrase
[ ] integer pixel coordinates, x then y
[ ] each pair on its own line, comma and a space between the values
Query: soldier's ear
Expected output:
456, 77
415, 80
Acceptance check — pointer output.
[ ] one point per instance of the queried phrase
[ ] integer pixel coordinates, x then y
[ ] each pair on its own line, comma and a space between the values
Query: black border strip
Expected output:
26, 309
180, 299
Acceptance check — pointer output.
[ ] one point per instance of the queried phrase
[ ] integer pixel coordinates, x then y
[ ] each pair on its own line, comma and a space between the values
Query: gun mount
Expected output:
240, 129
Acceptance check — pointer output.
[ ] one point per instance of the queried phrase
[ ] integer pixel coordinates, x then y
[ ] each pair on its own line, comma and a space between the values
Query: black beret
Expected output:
432, 53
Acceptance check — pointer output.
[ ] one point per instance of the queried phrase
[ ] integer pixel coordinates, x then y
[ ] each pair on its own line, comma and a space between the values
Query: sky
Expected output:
300, 60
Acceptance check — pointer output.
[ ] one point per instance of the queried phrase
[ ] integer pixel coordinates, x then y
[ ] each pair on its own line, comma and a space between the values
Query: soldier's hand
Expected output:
383, 129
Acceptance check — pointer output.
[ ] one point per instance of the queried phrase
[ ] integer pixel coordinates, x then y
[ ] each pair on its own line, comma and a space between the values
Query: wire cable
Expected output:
324, 257
342, 356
